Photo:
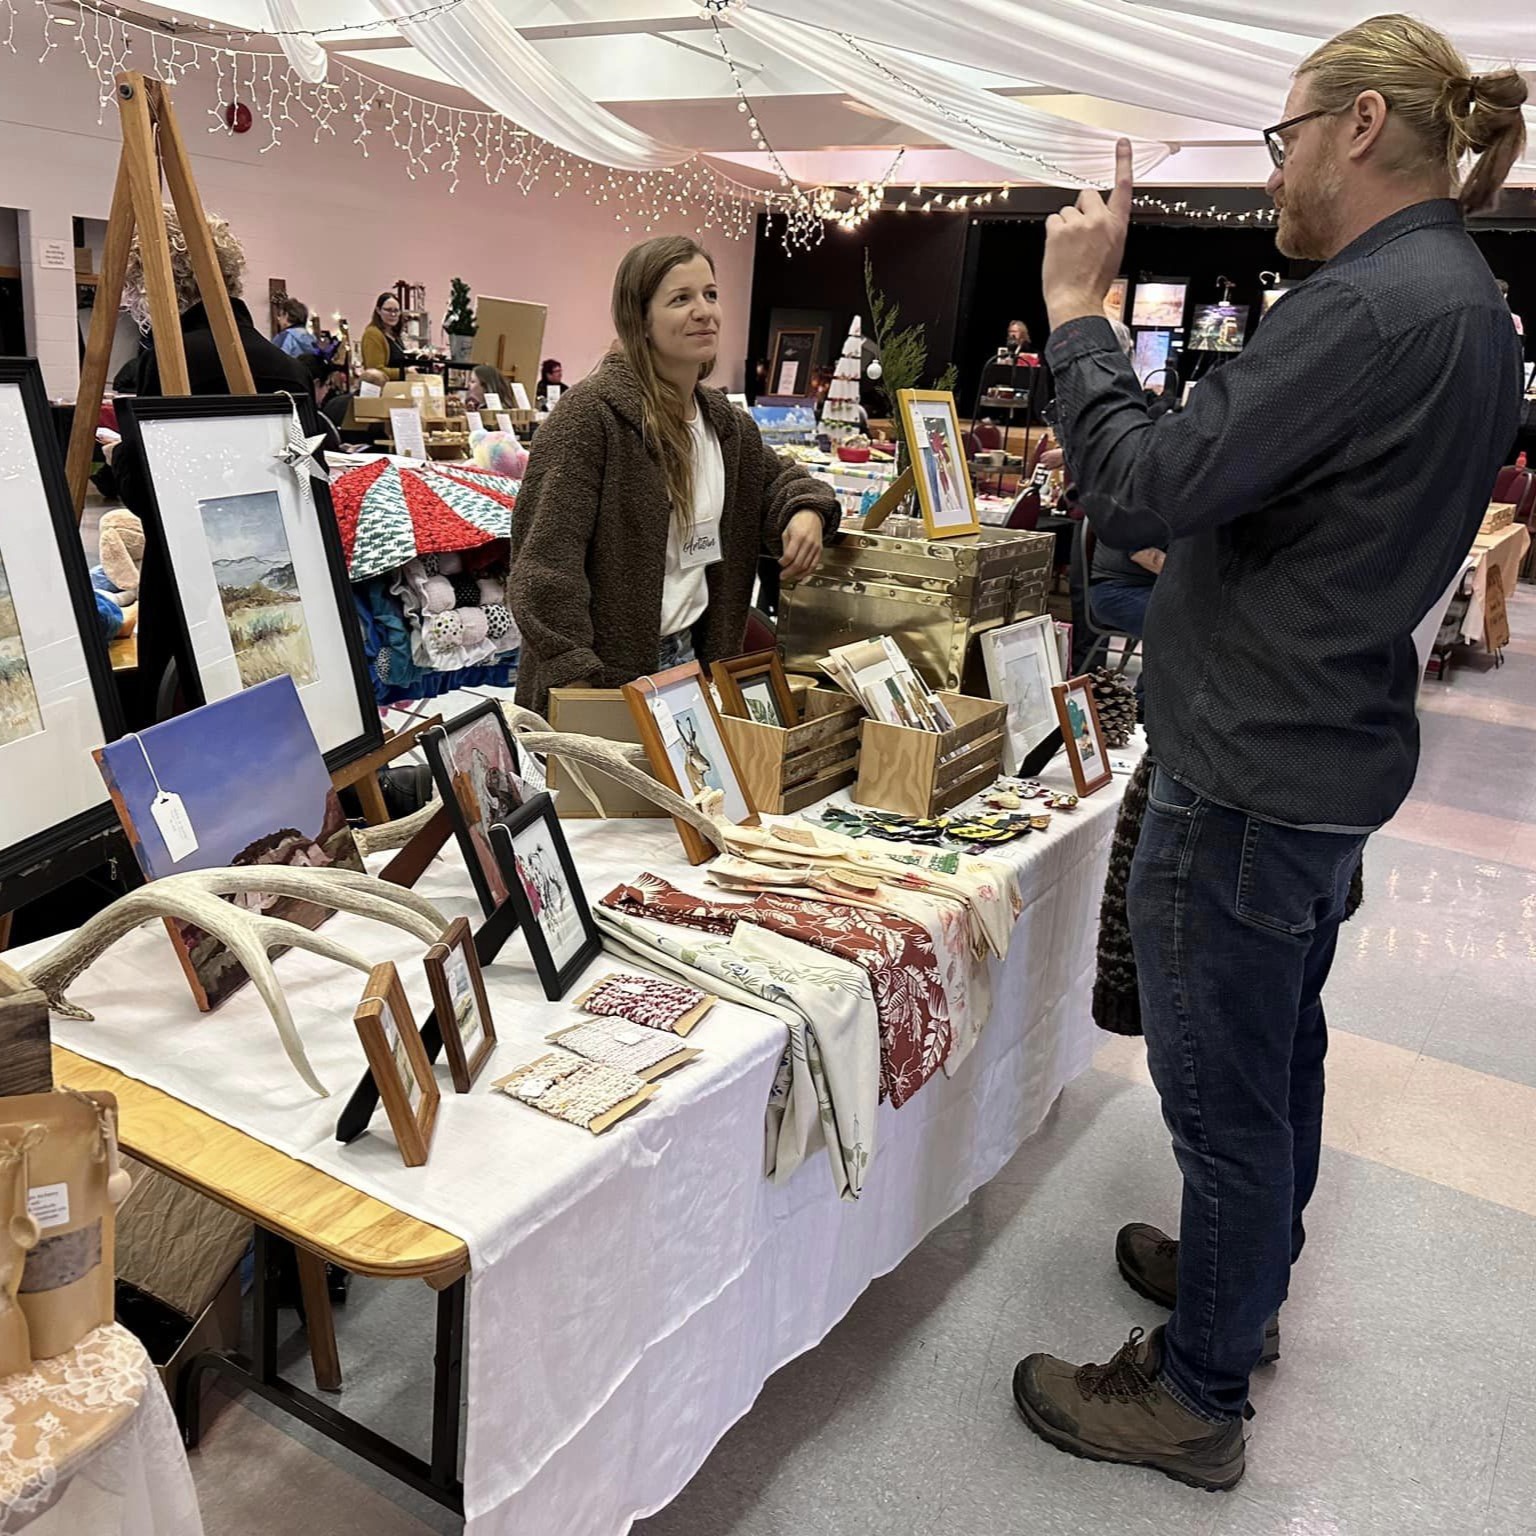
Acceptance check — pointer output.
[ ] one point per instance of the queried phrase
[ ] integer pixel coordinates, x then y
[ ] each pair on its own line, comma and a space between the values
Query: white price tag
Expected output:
174, 824
520, 397
367, 391
552, 393
504, 424
492, 400
665, 722
405, 427
418, 391
700, 546
630, 1034
48, 1205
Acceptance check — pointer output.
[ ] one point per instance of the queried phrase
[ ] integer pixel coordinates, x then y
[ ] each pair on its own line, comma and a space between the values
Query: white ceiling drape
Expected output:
1489, 30
481, 51
1004, 132
305, 56
1107, 48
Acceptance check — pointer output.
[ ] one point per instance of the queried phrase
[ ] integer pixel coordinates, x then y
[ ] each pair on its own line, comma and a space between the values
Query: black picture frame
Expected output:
435, 744
215, 408
556, 978
27, 866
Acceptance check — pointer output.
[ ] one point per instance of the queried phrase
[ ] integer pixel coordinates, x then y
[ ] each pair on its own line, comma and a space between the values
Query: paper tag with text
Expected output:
48, 1205
665, 722
174, 824
700, 545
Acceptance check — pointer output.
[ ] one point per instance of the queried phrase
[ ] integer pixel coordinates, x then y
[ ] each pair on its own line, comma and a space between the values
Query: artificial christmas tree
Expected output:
840, 410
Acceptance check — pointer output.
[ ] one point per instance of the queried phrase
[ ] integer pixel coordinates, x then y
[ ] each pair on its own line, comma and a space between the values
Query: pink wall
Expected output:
338, 227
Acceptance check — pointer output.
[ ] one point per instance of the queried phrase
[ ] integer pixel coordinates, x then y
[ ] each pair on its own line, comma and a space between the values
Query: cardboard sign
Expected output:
405, 427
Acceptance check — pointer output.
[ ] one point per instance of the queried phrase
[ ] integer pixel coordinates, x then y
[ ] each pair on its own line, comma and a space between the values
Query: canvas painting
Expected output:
255, 790
19, 714
543, 880
258, 589
476, 768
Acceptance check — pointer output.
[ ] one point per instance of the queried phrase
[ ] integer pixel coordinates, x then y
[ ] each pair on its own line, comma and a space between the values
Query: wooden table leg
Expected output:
319, 1320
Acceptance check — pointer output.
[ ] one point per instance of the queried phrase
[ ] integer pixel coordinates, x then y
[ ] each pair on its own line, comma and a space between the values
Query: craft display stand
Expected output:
925, 773
152, 146
786, 769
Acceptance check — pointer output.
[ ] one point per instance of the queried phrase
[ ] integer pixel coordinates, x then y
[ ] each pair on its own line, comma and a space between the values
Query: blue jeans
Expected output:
1119, 605
1234, 922
674, 650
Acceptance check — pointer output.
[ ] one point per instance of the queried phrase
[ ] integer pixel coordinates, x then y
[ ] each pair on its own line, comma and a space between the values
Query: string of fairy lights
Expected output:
435, 138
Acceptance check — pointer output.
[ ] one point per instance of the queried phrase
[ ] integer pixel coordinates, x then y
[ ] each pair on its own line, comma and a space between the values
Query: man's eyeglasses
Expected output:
1276, 145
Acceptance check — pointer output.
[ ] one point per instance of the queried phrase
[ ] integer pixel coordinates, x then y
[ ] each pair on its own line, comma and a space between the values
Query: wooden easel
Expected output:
152, 145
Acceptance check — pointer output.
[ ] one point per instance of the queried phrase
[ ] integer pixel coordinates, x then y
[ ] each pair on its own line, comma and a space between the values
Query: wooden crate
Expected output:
786, 770
925, 773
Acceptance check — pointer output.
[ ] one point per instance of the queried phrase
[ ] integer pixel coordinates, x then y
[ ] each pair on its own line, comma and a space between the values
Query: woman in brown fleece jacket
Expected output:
648, 500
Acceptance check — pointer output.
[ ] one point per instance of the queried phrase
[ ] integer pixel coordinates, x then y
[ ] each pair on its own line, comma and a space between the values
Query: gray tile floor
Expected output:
1405, 1404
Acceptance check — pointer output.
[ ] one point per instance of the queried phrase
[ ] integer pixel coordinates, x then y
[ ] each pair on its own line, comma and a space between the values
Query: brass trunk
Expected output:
932, 596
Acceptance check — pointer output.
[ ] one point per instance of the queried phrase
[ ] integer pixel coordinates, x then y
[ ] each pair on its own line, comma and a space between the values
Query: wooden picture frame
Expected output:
1080, 730
796, 346
454, 975
699, 749
398, 1061
58, 699
475, 795
200, 457
930, 425
763, 673
545, 892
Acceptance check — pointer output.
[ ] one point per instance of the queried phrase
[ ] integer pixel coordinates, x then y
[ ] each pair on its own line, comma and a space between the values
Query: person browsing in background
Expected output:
295, 338
1519, 323
485, 381
648, 499
549, 373
381, 338
1317, 496
1018, 337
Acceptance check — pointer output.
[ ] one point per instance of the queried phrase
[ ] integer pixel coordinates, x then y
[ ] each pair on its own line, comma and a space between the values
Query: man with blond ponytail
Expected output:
1315, 499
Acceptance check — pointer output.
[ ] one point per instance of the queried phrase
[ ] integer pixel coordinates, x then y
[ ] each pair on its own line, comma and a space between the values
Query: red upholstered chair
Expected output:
988, 436
760, 635
1517, 486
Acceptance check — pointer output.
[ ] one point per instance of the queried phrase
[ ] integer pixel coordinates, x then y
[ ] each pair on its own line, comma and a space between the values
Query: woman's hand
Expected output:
802, 546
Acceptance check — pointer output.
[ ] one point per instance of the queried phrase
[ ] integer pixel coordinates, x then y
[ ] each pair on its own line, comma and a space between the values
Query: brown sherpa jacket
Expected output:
589, 537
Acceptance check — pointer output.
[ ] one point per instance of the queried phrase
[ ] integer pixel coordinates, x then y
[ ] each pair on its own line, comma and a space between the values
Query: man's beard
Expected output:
1309, 216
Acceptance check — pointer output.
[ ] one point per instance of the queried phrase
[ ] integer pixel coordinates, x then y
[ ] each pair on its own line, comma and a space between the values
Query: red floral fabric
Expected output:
897, 952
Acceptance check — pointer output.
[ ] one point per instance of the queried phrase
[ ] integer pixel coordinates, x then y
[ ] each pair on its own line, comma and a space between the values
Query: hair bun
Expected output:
1502, 90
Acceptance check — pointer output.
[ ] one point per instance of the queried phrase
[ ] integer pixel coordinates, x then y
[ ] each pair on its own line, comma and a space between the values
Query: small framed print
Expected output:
756, 688
546, 895
1023, 664
680, 729
476, 768
458, 996
931, 426
398, 1061
1079, 718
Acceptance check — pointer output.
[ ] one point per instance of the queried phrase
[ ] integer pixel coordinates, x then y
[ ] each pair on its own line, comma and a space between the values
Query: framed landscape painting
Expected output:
57, 699
255, 560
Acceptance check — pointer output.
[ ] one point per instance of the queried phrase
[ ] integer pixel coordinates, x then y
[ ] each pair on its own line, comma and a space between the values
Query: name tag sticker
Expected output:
701, 546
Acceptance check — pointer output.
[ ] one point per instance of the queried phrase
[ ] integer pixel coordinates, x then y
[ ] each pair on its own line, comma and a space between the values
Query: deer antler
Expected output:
535, 734
195, 897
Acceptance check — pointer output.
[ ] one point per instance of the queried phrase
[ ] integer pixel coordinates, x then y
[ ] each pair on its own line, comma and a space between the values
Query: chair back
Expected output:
760, 634
1025, 513
1519, 487
988, 435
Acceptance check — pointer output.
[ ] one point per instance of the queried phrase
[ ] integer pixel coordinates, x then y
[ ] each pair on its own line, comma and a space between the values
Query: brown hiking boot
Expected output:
1119, 1413
1149, 1261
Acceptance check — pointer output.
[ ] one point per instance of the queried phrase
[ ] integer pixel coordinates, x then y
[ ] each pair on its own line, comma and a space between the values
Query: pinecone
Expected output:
1115, 697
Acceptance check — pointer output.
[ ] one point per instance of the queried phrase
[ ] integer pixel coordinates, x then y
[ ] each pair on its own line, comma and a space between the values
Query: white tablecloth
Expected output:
630, 1292
89, 1446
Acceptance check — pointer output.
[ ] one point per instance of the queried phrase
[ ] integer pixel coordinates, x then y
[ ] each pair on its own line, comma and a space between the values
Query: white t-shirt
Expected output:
684, 596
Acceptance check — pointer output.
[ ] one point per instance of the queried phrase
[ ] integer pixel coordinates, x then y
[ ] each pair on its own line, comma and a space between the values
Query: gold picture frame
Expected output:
453, 973
939, 469
398, 1060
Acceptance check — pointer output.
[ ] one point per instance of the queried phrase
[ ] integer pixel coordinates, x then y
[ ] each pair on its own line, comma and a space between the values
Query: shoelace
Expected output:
1122, 1379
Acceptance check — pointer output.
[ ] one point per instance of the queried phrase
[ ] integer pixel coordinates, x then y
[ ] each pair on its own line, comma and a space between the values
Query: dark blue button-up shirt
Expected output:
1316, 498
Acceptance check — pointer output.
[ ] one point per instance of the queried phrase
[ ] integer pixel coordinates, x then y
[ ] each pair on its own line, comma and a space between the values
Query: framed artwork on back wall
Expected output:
57, 699
255, 560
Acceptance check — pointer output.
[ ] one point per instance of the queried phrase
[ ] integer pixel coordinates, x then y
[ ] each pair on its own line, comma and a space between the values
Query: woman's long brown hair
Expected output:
665, 412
